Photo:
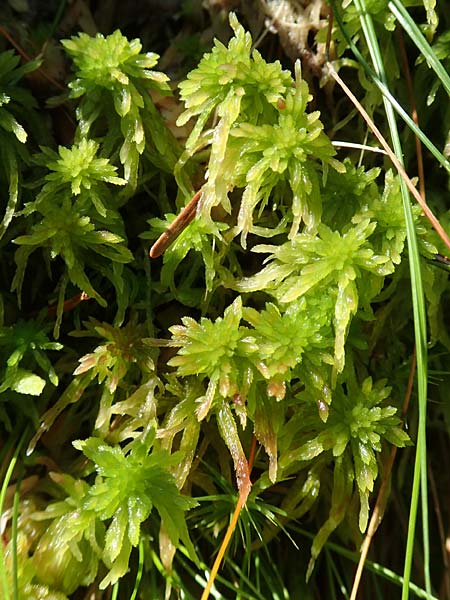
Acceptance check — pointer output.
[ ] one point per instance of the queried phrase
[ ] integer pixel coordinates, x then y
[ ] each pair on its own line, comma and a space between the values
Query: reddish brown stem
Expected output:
70, 304
173, 231
27, 58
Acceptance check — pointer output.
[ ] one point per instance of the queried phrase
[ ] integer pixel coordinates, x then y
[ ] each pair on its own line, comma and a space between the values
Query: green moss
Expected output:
273, 338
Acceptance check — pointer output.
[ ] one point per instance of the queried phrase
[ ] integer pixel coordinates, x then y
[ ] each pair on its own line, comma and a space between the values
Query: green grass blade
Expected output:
6, 480
139, 571
15, 518
374, 567
387, 95
115, 591
335, 579
420, 478
408, 24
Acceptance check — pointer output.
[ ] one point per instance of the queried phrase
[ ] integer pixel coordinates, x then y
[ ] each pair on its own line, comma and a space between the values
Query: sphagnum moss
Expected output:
280, 351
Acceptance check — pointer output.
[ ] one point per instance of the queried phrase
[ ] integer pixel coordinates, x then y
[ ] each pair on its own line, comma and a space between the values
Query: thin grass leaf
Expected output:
3, 490
407, 22
420, 331
140, 570
388, 95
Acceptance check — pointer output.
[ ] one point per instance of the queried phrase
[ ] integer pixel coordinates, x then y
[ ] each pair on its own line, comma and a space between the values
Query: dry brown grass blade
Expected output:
397, 164
378, 510
242, 499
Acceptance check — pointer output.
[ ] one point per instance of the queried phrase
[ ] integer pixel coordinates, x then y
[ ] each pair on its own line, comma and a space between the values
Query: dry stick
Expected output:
445, 583
173, 231
377, 513
14, 44
27, 58
414, 114
397, 164
231, 527
329, 31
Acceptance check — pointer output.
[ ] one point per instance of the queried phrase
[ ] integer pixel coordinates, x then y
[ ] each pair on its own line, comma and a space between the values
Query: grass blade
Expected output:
388, 96
420, 478
399, 11
6, 480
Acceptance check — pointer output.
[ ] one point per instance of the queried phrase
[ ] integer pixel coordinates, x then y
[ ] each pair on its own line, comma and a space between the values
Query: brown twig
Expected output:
378, 510
426, 209
414, 114
173, 231
28, 58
